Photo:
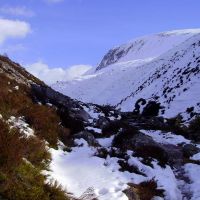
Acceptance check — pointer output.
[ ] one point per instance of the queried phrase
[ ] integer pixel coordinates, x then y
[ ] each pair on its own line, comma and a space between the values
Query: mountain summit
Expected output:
146, 47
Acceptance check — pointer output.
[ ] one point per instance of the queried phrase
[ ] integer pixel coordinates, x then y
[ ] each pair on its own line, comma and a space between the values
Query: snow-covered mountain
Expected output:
146, 47
98, 152
164, 66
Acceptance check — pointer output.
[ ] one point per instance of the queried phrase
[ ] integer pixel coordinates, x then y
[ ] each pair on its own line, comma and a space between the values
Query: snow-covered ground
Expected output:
81, 169
19, 123
163, 66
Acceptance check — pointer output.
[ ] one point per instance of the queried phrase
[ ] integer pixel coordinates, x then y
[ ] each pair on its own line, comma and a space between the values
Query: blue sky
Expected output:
70, 32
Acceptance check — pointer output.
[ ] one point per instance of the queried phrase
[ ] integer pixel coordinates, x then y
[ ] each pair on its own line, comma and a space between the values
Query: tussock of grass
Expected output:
147, 190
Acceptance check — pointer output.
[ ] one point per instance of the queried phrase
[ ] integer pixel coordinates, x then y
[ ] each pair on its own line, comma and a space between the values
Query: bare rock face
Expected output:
113, 56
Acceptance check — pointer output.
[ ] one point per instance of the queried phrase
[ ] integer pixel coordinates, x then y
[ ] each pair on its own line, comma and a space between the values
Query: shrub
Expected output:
36, 152
45, 122
11, 148
55, 191
26, 183
147, 190
11, 100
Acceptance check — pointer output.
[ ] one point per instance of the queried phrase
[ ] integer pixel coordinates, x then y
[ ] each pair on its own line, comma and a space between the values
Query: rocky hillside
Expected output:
163, 67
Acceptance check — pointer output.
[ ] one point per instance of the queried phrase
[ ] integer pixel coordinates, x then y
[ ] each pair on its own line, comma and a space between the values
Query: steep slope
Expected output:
27, 130
172, 79
147, 47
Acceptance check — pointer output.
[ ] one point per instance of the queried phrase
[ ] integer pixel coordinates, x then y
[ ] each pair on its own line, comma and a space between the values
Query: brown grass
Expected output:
147, 190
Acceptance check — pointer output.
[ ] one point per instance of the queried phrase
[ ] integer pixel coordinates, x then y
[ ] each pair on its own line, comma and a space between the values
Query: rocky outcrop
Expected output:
88, 137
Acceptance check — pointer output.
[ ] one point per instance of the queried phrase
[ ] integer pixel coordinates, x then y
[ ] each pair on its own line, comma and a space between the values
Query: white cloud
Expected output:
17, 11
52, 75
13, 29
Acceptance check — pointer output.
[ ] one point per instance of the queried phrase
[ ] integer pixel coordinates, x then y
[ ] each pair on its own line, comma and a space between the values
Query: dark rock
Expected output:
142, 140
87, 136
102, 122
189, 150
174, 153
138, 104
45, 95
151, 109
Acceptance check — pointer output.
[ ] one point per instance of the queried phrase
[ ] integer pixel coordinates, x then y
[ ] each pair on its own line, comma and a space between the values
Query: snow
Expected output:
196, 157
164, 54
19, 123
91, 111
103, 174
166, 137
16, 87
150, 46
164, 176
96, 130
79, 170
192, 171
105, 142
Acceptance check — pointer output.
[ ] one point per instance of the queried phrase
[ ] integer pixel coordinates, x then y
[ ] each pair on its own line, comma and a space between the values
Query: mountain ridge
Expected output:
156, 43
116, 84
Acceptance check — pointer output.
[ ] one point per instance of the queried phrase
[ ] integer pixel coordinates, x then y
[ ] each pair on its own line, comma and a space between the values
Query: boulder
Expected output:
189, 150
102, 122
87, 136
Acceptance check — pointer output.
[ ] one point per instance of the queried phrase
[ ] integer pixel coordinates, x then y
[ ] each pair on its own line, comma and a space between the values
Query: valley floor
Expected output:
81, 171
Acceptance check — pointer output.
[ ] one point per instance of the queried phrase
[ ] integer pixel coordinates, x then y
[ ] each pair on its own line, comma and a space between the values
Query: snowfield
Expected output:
166, 66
